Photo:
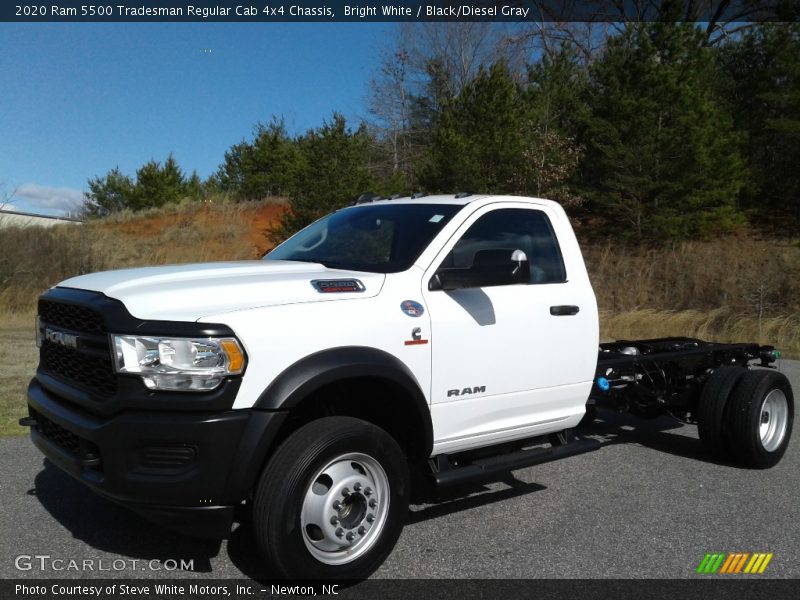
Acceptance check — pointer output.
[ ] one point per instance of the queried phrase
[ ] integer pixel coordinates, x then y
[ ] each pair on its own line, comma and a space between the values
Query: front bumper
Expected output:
186, 470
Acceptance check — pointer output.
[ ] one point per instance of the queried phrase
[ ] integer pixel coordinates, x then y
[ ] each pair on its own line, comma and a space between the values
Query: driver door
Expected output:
500, 359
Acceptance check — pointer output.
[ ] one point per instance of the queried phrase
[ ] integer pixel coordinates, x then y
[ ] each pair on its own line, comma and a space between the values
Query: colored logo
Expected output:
734, 563
411, 308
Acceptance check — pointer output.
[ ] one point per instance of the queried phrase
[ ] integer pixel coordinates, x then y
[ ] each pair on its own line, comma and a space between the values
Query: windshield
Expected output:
385, 238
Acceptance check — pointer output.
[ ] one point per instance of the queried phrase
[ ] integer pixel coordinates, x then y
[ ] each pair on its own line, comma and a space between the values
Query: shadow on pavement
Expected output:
620, 428
111, 528
103, 525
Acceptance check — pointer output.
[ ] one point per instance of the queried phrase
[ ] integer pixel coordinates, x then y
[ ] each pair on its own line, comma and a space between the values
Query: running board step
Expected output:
447, 475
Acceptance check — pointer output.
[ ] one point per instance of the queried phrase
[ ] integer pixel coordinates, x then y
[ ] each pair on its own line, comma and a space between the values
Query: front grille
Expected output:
87, 366
72, 317
56, 433
91, 373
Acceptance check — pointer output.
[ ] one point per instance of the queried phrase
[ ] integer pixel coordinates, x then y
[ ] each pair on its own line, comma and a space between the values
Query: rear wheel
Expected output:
714, 399
760, 418
332, 501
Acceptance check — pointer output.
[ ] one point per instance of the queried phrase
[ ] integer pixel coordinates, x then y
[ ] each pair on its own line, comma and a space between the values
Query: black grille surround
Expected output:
83, 373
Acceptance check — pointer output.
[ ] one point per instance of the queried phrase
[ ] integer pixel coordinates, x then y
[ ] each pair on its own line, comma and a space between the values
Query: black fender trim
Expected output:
334, 364
256, 444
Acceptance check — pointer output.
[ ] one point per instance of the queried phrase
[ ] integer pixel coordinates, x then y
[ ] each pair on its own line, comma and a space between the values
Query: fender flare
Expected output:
316, 370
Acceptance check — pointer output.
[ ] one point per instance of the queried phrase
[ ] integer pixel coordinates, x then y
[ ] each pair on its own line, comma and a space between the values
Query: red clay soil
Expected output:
257, 219
262, 219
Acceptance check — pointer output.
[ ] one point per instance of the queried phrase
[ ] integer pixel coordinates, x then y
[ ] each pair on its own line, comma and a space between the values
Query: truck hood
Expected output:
192, 291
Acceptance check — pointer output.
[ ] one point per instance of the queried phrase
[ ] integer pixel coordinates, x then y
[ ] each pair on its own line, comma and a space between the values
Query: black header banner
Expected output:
267, 11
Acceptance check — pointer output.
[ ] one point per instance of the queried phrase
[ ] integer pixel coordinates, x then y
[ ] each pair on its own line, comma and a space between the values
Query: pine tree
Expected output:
109, 194
500, 136
332, 172
265, 167
157, 185
764, 70
662, 156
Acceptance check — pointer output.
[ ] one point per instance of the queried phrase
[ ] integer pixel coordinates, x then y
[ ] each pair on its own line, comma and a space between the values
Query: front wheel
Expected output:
760, 418
332, 501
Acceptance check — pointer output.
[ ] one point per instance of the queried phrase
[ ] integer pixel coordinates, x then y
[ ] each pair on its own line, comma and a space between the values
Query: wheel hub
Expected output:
352, 511
774, 420
345, 508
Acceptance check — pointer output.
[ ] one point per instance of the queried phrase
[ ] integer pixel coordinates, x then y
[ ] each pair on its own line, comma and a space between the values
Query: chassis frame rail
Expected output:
665, 375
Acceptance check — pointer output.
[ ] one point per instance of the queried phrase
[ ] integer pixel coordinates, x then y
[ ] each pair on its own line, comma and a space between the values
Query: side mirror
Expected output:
489, 268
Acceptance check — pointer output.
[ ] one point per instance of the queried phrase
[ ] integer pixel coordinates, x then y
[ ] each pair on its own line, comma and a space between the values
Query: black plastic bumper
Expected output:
185, 470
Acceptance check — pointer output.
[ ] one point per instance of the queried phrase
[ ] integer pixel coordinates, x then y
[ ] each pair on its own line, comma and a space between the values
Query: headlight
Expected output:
178, 363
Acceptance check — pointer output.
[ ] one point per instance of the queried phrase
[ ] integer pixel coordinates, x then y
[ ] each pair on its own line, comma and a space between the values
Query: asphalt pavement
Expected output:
648, 504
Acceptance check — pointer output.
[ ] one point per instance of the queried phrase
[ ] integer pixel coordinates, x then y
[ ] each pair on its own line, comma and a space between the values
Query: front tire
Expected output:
332, 501
760, 418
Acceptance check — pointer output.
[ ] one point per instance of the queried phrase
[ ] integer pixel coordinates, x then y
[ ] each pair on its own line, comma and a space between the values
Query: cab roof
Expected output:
461, 199
456, 199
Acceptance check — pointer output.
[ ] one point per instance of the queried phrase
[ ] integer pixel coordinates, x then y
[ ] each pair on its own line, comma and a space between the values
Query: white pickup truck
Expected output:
428, 339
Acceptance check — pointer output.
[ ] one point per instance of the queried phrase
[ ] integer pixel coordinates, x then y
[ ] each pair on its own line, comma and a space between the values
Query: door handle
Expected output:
564, 310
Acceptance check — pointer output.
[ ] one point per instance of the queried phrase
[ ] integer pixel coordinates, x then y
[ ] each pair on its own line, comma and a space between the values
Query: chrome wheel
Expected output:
774, 420
345, 508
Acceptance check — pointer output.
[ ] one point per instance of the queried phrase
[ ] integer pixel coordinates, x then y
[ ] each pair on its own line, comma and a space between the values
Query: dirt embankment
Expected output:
253, 221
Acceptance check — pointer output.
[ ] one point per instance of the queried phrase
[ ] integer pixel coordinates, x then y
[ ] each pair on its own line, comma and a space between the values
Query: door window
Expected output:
508, 229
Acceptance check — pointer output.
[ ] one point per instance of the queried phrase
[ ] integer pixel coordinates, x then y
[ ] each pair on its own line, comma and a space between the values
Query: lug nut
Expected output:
362, 530
370, 518
337, 505
368, 491
345, 492
334, 520
373, 503
357, 487
350, 536
339, 532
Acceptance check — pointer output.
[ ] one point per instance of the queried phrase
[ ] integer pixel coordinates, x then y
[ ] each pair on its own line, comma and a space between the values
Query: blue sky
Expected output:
80, 99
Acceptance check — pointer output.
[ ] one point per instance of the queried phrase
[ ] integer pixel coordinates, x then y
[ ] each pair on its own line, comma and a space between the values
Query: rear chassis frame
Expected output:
649, 378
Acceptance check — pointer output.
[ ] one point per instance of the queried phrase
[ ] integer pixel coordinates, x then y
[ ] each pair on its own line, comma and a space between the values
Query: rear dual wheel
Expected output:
714, 401
746, 415
760, 418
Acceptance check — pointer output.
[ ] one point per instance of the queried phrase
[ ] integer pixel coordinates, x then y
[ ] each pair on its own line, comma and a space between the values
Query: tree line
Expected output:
647, 130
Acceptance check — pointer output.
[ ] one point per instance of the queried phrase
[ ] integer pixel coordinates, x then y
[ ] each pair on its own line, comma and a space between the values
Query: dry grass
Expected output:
751, 277
720, 325
18, 357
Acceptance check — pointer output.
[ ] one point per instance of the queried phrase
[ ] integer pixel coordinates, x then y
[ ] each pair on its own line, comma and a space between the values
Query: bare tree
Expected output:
586, 24
460, 48
6, 197
425, 64
390, 108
